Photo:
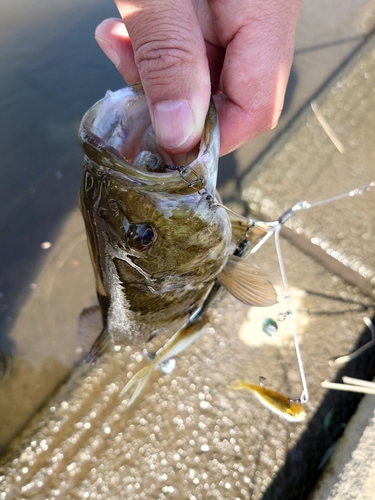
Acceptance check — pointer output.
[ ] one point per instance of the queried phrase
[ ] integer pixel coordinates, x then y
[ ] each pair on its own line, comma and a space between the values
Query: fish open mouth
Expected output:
117, 130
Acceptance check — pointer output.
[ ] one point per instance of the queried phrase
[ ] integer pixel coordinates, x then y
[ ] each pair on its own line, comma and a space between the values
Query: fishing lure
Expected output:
287, 408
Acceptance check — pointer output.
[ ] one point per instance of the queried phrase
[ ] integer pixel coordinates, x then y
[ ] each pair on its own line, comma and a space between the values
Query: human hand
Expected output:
182, 51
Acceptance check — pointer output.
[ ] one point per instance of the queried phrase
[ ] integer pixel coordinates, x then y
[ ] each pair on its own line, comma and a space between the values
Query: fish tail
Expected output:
101, 345
140, 378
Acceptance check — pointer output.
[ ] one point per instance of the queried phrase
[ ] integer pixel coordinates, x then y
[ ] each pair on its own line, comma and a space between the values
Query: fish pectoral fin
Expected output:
140, 378
247, 283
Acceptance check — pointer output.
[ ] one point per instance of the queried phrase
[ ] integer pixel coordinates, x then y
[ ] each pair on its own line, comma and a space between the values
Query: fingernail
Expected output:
173, 123
109, 51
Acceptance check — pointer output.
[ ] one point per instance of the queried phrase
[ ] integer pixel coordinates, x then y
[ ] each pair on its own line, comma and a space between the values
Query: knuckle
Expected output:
265, 107
165, 45
261, 118
157, 59
268, 119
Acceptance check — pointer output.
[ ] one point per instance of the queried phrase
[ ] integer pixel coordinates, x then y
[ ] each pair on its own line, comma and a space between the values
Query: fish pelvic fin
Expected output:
176, 344
247, 283
140, 378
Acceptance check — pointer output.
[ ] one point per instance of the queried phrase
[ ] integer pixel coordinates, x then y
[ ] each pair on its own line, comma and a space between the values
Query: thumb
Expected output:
170, 56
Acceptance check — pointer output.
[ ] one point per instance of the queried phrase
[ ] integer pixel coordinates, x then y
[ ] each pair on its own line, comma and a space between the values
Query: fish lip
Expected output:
94, 138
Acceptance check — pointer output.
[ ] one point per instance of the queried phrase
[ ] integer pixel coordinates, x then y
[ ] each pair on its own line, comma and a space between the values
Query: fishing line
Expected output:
354, 192
305, 393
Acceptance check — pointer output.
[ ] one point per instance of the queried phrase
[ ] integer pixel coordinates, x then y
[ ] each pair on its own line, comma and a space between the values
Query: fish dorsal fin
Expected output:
247, 283
90, 325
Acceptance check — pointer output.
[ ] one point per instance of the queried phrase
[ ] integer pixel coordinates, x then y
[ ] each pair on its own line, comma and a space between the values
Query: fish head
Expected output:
164, 234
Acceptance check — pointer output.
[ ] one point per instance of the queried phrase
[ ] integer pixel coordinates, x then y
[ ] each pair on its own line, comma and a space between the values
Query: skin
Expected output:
182, 51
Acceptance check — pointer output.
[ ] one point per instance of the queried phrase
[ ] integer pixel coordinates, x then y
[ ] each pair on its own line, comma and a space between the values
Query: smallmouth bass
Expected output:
158, 244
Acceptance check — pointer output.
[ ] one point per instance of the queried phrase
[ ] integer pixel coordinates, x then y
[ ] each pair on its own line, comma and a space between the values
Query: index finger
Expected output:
260, 42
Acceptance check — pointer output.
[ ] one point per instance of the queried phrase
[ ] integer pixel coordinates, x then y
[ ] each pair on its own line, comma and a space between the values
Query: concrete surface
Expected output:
306, 163
188, 436
45, 329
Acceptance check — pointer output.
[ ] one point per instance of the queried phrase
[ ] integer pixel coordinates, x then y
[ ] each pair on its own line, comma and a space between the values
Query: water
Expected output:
48, 79
51, 72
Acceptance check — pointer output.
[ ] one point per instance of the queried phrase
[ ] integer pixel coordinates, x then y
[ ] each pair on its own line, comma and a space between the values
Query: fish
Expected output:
287, 408
158, 242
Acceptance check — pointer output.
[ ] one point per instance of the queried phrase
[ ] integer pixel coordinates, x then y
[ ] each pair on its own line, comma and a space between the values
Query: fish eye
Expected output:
141, 236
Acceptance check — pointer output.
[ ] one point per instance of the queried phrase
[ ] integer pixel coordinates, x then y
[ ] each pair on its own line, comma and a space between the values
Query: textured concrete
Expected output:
307, 164
189, 436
